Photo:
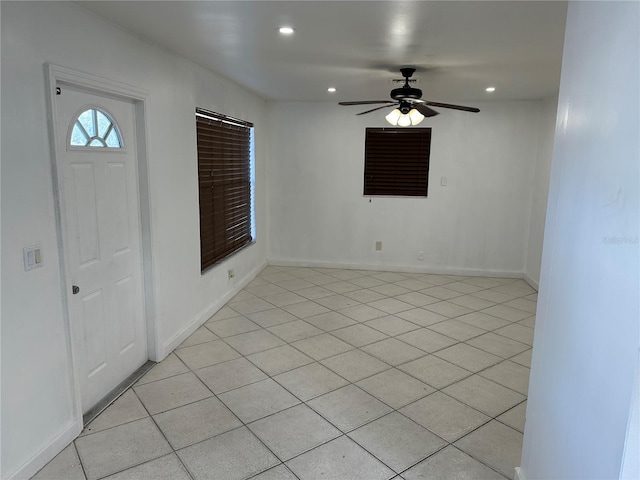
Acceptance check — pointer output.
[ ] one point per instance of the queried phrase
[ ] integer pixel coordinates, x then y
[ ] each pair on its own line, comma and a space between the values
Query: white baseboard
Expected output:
397, 268
48, 451
519, 474
530, 281
171, 344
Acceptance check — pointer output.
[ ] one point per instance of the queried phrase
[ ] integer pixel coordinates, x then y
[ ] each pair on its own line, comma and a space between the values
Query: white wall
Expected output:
587, 330
540, 190
37, 392
478, 223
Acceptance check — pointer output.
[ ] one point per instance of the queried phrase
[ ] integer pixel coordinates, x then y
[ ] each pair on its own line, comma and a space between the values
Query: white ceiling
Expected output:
459, 48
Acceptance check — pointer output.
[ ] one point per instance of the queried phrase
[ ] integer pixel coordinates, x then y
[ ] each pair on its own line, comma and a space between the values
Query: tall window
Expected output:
224, 179
397, 161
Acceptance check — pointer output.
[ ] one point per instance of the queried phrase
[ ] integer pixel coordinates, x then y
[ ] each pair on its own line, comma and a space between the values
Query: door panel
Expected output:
101, 220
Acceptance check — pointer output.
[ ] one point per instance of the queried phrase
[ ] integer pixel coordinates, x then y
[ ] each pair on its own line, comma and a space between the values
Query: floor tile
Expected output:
306, 309
442, 293
362, 313
293, 431
448, 309
517, 332
322, 346
365, 295
169, 367
335, 302
492, 296
445, 416
66, 465
242, 295
195, 422
421, 317
125, 409
390, 290
224, 312
395, 388
341, 287
234, 455
484, 395
498, 345
281, 472
339, 459
506, 313
279, 360
171, 392
496, 445
367, 282
258, 400
528, 322
310, 381
294, 285
435, 279
313, 293
456, 329
273, 316
451, 464
393, 351
522, 304
427, 340
468, 357
253, 342
471, 302
359, 335
206, 354
163, 468
483, 282
229, 375
232, 326
523, 358
416, 299
321, 279
389, 277
294, 331
516, 289
118, 448
330, 321
250, 306
348, 407
264, 290
510, 375
354, 365
515, 418
483, 320
201, 335
284, 299
278, 276
463, 287
434, 371
397, 441
412, 284
391, 305
392, 325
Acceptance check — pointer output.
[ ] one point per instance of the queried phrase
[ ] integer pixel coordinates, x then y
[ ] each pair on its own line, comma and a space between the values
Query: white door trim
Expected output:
56, 74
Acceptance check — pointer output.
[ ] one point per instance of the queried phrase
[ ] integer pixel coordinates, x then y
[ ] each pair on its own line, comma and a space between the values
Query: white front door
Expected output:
97, 171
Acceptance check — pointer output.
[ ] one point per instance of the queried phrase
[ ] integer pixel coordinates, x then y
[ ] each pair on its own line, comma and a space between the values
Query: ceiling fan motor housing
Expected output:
406, 92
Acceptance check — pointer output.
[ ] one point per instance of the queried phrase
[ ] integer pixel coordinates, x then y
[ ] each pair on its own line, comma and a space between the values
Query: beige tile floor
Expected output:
315, 373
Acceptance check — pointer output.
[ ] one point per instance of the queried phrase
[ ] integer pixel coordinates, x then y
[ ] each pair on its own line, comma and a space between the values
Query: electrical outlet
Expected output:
378, 246
231, 274
420, 255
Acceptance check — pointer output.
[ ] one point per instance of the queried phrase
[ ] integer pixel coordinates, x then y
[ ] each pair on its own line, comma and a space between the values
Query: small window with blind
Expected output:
225, 160
396, 161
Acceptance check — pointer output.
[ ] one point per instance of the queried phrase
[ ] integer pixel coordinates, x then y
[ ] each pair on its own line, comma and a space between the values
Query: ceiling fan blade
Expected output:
364, 102
454, 107
424, 110
377, 108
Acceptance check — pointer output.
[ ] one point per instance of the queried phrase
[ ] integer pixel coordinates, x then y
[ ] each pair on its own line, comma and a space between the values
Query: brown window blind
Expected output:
224, 179
397, 161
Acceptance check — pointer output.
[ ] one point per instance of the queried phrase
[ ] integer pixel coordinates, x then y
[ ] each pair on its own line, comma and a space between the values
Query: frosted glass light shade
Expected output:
404, 120
416, 116
393, 117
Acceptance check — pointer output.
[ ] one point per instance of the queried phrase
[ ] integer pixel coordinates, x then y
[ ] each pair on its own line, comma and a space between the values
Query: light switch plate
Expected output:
32, 257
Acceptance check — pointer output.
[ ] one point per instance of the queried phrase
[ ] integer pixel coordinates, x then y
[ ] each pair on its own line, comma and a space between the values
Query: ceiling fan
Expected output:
410, 108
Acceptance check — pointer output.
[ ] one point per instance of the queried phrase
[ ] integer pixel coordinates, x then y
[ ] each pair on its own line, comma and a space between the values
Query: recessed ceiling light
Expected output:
490, 89
286, 30
331, 89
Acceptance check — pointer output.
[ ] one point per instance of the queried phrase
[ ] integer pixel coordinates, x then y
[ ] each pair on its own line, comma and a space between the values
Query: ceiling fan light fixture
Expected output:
404, 120
396, 117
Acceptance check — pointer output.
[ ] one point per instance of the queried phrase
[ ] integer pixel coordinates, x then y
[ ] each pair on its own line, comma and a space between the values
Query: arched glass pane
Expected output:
94, 128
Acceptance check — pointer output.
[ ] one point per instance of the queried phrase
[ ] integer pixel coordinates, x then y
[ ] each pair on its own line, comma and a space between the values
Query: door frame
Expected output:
94, 84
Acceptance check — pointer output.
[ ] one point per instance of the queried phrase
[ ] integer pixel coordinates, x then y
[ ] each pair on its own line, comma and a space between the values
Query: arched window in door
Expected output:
95, 128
